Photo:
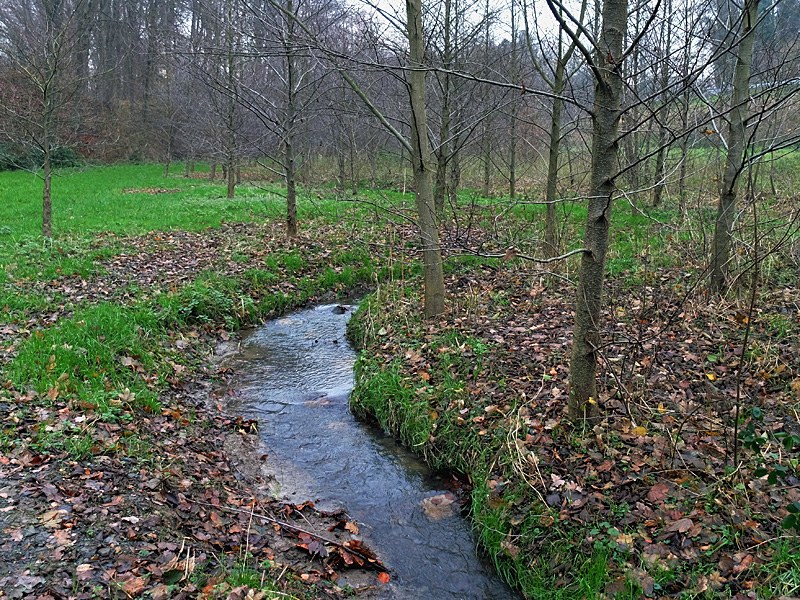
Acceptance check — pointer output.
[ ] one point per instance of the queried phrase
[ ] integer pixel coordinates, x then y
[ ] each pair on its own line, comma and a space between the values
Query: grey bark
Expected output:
588, 302
726, 206
420, 159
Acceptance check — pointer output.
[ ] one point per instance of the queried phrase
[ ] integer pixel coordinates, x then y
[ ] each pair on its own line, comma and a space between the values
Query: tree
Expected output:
556, 80
737, 122
40, 40
606, 66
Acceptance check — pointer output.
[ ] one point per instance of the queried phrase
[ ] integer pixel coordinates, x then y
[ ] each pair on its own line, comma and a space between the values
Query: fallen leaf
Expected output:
658, 492
351, 527
384, 578
680, 526
134, 586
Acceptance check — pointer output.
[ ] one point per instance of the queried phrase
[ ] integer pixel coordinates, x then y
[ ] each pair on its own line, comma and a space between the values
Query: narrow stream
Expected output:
295, 376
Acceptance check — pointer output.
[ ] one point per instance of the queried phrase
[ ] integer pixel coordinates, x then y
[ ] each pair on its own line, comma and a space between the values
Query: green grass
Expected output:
94, 199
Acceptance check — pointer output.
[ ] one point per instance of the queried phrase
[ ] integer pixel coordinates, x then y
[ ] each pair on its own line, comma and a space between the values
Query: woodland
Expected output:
575, 229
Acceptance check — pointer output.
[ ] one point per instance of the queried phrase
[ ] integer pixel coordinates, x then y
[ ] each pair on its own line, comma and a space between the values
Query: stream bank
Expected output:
294, 376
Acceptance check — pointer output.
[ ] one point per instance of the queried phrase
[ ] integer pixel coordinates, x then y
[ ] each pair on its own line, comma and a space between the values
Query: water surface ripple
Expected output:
295, 375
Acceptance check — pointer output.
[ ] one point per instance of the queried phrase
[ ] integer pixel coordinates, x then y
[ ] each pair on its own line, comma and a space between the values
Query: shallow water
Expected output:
295, 375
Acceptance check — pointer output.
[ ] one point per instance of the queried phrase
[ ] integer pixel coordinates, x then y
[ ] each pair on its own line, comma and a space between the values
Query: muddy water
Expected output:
295, 375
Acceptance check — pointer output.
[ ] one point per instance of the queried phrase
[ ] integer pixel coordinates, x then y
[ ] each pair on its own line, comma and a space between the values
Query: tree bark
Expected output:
291, 117
726, 206
550, 241
47, 200
588, 302
420, 159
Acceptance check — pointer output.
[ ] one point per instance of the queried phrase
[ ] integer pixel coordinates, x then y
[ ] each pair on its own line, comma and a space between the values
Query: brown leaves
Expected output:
679, 526
658, 492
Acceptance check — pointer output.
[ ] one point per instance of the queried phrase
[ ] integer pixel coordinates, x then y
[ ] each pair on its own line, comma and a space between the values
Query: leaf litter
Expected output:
162, 505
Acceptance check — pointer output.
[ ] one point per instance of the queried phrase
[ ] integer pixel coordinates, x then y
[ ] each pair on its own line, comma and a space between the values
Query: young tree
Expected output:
606, 67
39, 42
737, 122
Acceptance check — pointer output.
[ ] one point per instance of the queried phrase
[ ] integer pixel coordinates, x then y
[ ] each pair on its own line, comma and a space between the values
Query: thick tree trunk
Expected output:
420, 159
588, 302
726, 207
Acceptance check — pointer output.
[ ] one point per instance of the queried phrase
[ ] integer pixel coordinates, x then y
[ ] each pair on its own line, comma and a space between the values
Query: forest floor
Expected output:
119, 499
120, 476
649, 491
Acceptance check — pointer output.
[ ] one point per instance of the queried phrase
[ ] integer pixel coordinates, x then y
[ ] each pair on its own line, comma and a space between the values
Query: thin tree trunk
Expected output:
420, 157
291, 116
588, 302
550, 242
726, 207
47, 200
487, 158
212, 172
444, 133
231, 181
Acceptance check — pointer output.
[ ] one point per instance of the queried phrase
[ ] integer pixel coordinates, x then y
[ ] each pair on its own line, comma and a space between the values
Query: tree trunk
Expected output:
212, 172
663, 138
487, 158
420, 158
550, 242
47, 200
186, 170
726, 207
444, 133
231, 181
588, 302
291, 117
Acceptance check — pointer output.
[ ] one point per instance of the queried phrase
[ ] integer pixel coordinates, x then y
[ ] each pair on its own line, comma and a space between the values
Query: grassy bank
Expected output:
106, 335
646, 504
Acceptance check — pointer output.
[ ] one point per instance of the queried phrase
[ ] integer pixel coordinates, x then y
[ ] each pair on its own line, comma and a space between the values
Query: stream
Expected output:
295, 375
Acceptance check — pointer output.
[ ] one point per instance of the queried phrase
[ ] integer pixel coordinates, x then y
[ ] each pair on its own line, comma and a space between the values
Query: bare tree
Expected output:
39, 41
736, 145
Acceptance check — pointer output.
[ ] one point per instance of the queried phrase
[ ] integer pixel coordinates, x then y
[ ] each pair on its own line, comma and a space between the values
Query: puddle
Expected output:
295, 375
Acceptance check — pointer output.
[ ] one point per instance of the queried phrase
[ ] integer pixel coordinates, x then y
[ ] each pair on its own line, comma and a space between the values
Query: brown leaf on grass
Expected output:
645, 581
510, 549
742, 562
